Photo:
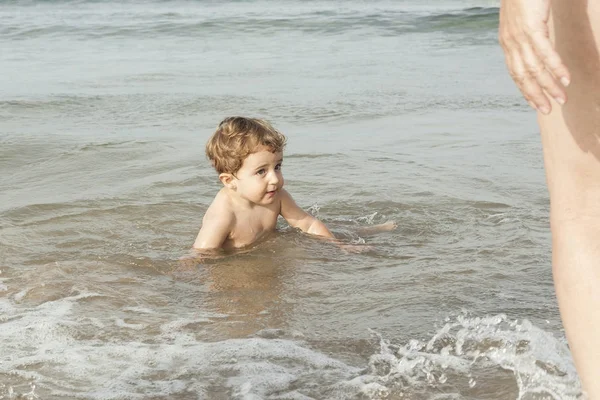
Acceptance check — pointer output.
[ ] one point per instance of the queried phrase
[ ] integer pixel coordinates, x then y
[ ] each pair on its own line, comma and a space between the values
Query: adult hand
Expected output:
532, 61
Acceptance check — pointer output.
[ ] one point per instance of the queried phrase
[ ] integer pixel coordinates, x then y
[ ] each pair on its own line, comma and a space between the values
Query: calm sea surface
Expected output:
395, 110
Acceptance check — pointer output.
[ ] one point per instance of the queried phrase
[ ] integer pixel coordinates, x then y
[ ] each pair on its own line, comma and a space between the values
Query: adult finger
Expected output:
529, 86
550, 57
537, 71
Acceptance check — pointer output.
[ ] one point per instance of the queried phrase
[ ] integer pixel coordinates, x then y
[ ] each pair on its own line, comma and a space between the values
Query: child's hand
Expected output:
356, 248
373, 229
189, 261
197, 256
386, 226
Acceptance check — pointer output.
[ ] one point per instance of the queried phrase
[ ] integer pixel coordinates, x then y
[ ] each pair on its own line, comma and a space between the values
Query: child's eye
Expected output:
278, 167
260, 171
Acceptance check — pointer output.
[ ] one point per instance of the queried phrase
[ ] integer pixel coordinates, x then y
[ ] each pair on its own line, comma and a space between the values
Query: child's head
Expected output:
238, 137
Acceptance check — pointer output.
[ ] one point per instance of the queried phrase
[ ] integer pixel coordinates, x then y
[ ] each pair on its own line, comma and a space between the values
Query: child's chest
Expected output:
251, 226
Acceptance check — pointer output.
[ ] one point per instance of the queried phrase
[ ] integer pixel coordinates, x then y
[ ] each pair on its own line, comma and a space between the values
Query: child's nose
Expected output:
274, 179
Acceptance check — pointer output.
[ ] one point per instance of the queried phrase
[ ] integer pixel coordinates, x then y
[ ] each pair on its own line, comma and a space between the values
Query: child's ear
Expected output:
227, 180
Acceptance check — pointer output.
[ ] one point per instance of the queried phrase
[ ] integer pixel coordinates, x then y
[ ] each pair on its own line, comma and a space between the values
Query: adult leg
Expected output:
571, 143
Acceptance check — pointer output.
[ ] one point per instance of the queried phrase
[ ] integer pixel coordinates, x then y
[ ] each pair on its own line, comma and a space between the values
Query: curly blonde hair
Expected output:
238, 137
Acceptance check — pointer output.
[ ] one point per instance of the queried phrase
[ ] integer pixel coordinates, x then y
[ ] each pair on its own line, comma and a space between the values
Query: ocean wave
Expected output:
469, 353
485, 355
139, 110
143, 24
471, 19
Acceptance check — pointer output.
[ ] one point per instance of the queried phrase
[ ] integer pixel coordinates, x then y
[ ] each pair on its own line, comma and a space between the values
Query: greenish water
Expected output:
393, 110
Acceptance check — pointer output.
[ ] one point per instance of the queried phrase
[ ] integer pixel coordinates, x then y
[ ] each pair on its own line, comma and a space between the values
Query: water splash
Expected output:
471, 355
314, 209
9, 392
368, 219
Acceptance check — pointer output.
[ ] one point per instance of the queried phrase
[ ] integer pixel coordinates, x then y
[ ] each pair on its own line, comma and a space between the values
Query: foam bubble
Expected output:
466, 357
472, 354
43, 348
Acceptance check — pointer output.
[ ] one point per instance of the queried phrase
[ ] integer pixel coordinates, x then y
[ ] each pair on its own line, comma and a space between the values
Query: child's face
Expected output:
260, 178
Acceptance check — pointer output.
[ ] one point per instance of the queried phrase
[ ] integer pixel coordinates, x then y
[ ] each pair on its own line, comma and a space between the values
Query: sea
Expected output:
394, 110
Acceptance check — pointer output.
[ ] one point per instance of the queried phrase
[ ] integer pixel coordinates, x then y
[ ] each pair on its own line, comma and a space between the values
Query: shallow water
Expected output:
393, 110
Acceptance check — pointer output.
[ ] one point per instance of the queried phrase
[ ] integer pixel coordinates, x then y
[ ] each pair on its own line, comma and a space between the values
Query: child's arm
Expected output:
298, 218
373, 229
216, 226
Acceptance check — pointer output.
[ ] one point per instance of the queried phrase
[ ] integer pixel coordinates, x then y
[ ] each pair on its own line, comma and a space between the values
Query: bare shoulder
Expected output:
217, 224
220, 210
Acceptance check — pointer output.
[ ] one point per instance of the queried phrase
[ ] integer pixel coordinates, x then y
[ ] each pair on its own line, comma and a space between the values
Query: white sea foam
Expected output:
467, 352
176, 363
42, 349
